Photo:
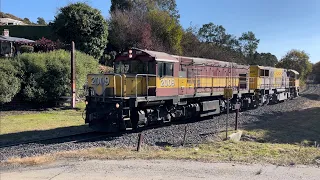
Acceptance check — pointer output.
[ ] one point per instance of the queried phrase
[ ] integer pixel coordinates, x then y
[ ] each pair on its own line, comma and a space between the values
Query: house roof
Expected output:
15, 39
10, 20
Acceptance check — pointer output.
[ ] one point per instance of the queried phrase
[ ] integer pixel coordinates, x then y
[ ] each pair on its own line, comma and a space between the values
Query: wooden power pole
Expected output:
73, 76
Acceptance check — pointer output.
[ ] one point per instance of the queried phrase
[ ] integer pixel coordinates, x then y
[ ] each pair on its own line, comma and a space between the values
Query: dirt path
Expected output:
158, 169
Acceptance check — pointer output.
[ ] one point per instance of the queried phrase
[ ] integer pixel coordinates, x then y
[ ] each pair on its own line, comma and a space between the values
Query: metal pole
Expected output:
185, 135
140, 138
227, 118
73, 76
237, 113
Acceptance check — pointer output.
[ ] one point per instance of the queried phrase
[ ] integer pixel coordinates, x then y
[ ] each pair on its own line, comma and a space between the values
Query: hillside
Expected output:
8, 15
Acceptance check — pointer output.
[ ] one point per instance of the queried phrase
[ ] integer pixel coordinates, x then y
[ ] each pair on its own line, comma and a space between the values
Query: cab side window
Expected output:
165, 69
264, 73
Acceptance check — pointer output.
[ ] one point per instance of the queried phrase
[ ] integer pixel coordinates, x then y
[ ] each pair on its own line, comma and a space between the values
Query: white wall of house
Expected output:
9, 21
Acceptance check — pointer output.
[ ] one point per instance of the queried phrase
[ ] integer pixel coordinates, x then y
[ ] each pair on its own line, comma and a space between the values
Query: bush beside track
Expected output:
43, 78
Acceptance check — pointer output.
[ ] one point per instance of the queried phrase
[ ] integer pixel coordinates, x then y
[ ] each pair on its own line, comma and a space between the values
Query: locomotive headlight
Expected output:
117, 105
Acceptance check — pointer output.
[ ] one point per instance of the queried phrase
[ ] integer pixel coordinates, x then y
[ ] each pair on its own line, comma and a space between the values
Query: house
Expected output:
9, 46
9, 21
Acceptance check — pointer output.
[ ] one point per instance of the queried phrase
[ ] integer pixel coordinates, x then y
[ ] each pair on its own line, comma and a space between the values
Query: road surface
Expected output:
157, 169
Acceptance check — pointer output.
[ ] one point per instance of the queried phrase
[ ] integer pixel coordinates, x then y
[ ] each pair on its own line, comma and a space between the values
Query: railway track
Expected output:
310, 89
61, 139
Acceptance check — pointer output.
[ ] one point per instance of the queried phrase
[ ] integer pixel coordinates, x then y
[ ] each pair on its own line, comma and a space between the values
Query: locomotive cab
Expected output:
139, 75
294, 85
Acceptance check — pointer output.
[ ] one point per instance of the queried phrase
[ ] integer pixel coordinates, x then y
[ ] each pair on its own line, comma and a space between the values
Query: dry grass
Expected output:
311, 104
226, 151
30, 161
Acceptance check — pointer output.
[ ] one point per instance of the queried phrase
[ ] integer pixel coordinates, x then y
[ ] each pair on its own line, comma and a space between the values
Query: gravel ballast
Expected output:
197, 132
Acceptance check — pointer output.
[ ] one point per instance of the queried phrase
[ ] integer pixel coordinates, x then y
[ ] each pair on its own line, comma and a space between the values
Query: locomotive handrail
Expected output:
115, 84
274, 82
233, 82
234, 78
147, 81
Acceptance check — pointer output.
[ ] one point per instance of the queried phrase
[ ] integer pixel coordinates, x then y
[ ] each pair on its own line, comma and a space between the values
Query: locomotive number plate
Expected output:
98, 80
167, 83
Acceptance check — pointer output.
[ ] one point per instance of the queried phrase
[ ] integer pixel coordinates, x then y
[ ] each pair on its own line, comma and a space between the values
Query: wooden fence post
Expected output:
73, 76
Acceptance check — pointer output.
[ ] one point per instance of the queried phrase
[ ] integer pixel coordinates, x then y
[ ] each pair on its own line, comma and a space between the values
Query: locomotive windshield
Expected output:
134, 67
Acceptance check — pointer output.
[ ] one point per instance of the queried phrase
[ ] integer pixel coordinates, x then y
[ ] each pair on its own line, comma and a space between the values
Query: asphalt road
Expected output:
158, 169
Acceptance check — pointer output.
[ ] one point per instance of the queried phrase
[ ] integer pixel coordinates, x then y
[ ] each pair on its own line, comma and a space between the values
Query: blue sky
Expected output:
281, 25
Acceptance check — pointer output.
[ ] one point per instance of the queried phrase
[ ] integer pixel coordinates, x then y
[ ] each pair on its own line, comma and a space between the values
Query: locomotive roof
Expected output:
165, 57
159, 56
212, 62
267, 67
294, 71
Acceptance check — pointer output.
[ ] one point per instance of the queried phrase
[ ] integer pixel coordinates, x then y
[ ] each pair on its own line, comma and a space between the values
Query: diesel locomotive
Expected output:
155, 87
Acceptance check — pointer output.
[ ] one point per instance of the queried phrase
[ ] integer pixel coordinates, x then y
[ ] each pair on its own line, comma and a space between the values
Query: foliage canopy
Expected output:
83, 24
10, 81
297, 60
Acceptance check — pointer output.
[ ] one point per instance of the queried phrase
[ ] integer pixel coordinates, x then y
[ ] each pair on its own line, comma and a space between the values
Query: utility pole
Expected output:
227, 119
237, 106
73, 76
228, 94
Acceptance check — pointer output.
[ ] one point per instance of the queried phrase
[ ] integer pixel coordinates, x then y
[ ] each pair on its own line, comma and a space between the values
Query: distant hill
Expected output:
8, 15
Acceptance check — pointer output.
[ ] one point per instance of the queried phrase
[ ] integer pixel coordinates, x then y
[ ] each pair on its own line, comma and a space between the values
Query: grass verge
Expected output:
20, 126
227, 151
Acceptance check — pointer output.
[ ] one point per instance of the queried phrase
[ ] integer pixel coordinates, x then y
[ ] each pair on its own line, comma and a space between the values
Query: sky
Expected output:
281, 25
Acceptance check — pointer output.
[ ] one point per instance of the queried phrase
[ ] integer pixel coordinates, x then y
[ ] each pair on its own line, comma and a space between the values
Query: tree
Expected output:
83, 24
190, 43
167, 30
268, 59
155, 30
27, 21
263, 59
216, 34
297, 60
121, 5
41, 21
169, 6
249, 43
130, 29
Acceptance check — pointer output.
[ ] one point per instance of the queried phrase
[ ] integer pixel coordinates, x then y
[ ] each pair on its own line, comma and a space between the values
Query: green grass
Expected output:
17, 126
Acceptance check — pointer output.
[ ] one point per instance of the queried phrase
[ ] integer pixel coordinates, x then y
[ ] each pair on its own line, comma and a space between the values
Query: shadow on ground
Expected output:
26, 136
288, 127
311, 96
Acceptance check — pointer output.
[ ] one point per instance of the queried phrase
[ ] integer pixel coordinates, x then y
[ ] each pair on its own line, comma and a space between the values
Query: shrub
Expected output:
47, 75
45, 45
105, 69
10, 82
26, 49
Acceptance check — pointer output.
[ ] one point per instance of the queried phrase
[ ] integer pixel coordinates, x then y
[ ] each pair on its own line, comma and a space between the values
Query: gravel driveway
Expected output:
158, 169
